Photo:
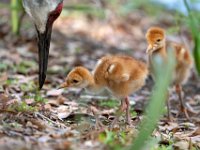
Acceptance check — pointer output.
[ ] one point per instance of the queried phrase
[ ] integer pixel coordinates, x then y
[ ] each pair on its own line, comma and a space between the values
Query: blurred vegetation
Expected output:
114, 140
155, 109
17, 13
194, 26
16, 18
104, 9
110, 103
21, 107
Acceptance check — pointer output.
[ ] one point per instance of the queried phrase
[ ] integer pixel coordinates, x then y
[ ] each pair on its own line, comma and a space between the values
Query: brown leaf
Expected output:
4, 100
29, 101
196, 132
61, 99
53, 103
181, 145
40, 125
54, 92
3, 78
64, 145
63, 111
47, 107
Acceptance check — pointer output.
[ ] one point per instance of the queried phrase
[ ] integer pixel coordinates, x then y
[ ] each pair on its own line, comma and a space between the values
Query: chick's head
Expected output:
77, 78
156, 39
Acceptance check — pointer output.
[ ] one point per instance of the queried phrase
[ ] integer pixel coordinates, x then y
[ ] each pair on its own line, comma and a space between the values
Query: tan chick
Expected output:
157, 46
122, 75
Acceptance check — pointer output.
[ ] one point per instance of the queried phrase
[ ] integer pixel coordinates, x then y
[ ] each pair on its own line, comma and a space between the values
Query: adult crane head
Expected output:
43, 14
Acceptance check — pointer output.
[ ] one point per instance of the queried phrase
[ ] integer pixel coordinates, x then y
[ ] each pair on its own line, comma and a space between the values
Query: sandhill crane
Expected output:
43, 13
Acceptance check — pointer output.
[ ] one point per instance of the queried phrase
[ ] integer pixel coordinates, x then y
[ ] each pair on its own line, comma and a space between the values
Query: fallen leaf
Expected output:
29, 101
44, 138
54, 92
181, 145
63, 111
3, 78
196, 132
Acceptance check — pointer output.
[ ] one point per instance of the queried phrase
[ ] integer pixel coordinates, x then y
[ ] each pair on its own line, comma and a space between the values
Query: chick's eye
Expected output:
158, 40
75, 81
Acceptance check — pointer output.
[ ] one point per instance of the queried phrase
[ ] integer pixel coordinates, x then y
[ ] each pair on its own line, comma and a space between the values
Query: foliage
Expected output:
38, 98
114, 140
157, 101
3, 67
11, 81
109, 103
194, 25
21, 107
82, 8
147, 6
27, 87
24, 66
16, 9
17, 13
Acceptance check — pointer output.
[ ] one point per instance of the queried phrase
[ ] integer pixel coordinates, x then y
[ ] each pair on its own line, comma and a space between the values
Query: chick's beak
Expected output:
63, 85
149, 49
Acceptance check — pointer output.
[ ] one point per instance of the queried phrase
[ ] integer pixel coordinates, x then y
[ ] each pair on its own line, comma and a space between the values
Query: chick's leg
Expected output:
179, 92
128, 116
119, 113
98, 123
168, 107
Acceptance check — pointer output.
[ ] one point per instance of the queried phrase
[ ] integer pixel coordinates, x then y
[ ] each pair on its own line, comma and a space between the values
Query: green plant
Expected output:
194, 25
25, 66
110, 103
11, 125
133, 113
16, 10
11, 81
27, 87
157, 101
84, 8
3, 67
21, 107
38, 98
115, 140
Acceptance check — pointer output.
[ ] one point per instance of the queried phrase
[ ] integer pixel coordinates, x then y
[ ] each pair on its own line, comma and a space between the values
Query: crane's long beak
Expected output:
43, 48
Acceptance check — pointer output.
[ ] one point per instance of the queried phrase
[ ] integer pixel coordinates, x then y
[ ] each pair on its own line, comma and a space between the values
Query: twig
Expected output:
53, 122
93, 97
7, 111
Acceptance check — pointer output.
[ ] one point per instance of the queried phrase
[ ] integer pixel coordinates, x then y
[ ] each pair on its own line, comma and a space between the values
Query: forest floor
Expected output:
63, 119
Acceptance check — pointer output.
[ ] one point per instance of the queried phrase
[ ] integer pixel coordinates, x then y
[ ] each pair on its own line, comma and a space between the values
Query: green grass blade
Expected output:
194, 27
14, 16
155, 108
196, 53
16, 7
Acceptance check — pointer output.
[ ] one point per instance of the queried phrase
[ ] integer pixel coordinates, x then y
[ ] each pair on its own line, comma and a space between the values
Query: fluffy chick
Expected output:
157, 46
121, 75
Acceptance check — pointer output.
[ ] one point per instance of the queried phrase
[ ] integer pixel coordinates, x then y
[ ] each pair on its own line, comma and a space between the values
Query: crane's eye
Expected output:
75, 81
158, 40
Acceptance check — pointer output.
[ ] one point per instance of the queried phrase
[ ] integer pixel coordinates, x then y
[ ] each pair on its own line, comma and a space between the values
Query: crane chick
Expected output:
157, 46
121, 75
